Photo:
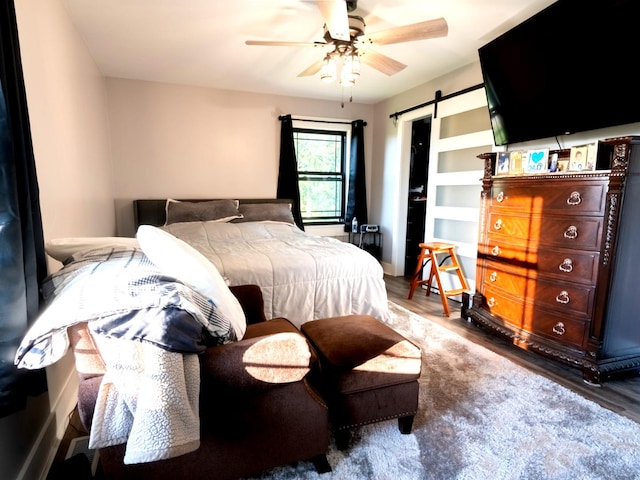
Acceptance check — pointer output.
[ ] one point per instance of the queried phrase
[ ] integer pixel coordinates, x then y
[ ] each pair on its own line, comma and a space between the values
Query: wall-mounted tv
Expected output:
569, 68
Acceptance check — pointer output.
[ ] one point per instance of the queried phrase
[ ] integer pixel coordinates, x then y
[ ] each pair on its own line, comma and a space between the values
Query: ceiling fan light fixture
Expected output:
351, 65
328, 70
350, 69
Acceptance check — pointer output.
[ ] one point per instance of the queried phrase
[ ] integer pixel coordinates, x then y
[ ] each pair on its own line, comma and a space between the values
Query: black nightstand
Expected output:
368, 241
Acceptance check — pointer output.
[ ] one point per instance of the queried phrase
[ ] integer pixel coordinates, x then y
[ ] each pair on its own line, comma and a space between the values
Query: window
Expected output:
321, 156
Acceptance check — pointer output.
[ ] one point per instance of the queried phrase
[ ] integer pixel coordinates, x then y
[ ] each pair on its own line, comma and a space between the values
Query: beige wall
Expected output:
191, 142
68, 113
66, 96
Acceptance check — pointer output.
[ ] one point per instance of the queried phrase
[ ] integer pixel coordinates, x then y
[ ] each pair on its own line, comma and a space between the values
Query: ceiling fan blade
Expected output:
335, 17
381, 62
312, 70
416, 31
285, 44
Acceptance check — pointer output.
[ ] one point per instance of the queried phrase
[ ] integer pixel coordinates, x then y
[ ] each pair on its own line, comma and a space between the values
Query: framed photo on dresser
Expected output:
537, 161
578, 158
502, 164
516, 166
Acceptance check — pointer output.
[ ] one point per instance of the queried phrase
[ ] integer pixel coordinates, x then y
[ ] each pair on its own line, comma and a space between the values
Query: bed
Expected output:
303, 276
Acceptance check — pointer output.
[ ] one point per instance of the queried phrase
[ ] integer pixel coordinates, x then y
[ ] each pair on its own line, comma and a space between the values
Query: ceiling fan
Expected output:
345, 38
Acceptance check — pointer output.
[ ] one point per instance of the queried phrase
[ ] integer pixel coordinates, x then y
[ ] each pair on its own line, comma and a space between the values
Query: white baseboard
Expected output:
44, 449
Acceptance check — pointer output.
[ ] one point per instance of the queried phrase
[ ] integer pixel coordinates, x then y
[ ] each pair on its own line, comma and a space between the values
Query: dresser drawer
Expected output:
570, 198
581, 233
564, 329
566, 265
567, 298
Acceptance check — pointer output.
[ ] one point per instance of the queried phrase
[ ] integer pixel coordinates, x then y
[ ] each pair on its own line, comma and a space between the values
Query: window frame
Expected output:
328, 128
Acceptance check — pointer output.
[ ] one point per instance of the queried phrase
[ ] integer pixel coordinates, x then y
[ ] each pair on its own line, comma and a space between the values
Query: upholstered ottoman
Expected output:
368, 372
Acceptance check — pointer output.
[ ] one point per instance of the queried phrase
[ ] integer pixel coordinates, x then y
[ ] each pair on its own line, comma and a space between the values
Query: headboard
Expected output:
153, 212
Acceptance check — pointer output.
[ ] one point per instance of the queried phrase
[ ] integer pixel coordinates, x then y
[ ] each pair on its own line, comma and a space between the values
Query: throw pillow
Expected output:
214, 210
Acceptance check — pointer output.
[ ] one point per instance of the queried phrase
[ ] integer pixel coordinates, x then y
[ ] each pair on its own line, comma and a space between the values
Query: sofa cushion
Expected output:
273, 352
276, 325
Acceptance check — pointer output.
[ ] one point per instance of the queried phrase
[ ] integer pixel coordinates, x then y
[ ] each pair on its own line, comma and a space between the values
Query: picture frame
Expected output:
563, 166
578, 158
502, 164
516, 166
553, 163
537, 161
592, 156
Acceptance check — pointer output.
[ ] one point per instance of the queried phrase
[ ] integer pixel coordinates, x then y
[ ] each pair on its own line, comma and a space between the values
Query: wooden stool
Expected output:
429, 253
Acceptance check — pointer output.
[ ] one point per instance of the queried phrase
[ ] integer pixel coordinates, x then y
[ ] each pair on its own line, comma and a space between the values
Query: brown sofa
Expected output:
271, 414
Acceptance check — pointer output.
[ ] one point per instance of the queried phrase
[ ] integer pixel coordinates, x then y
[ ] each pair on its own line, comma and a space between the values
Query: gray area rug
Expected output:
483, 417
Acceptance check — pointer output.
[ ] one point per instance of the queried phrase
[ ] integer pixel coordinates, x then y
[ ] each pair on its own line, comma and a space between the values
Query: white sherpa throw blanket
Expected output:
148, 399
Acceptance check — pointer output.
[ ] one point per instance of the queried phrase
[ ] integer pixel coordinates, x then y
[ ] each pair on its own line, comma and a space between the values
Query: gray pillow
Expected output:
214, 210
263, 212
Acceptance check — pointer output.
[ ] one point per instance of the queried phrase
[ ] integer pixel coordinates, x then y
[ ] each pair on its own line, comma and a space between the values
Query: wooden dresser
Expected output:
559, 261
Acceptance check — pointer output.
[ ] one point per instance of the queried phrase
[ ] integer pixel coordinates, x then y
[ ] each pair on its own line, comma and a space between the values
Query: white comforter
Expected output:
302, 276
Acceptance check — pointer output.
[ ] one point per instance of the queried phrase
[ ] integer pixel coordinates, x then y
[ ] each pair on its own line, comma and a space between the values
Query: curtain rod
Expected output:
439, 98
282, 117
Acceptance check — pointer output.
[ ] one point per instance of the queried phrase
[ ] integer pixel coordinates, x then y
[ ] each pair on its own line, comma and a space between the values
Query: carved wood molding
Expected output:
620, 158
612, 221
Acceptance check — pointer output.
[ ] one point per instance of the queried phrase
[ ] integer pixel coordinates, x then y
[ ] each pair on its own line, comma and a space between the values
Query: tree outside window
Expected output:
321, 157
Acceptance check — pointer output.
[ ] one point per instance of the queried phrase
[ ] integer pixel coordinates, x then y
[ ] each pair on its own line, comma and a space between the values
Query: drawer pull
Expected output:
495, 251
559, 329
574, 199
498, 224
563, 297
494, 276
571, 232
492, 302
500, 197
566, 265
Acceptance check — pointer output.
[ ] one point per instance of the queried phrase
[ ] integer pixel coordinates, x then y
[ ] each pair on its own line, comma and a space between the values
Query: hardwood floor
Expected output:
622, 395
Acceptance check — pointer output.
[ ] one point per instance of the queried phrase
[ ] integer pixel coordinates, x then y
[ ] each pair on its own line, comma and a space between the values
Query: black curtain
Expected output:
357, 194
288, 171
22, 256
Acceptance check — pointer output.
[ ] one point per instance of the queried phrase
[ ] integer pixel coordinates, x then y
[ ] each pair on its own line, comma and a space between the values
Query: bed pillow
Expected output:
266, 212
212, 211
62, 249
178, 259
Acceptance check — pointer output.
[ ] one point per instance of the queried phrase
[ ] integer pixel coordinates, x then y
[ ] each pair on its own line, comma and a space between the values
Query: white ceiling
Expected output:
202, 42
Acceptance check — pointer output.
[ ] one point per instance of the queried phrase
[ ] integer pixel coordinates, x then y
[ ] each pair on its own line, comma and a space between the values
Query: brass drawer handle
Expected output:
492, 302
495, 251
559, 329
498, 224
571, 232
500, 197
563, 297
574, 199
494, 276
566, 265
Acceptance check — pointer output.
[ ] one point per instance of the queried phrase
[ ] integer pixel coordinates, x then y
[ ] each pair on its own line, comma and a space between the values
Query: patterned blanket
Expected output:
138, 319
121, 294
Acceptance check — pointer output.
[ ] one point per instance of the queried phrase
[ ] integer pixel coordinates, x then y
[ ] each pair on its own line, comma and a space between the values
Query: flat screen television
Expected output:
569, 68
